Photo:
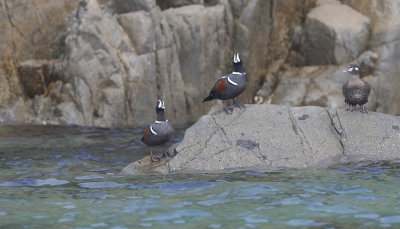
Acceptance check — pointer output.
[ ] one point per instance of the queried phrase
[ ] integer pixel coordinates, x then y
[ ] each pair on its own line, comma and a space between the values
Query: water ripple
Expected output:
89, 177
33, 182
181, 204
213, 202
339, 208
95, 185
305, 222
367, 216
390, 219
178, 214
254, 173
96, 195
252, 191
345, 189
179, 186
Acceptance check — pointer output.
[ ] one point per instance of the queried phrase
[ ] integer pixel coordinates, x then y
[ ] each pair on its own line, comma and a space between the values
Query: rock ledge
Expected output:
267, 137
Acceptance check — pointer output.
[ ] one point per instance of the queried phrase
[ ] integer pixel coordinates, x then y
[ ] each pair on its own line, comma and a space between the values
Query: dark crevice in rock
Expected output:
222, 129
128, 107
303, 140
280, 159
191, 158
190, 146
339, 130
168, 168
271, 17
222, 151
11, 21
186, 21
262, 156
158, 72
383, 43
308, 86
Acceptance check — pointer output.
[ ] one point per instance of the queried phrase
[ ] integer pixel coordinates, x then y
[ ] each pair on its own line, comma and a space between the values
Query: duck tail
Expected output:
209, 98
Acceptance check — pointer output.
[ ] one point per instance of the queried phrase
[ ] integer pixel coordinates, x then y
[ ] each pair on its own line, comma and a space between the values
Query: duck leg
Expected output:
227, 110
363, 110
154, 159
165, 154
238, 105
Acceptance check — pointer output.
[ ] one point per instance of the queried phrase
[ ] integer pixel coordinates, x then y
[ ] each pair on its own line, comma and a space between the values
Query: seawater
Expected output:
68, 177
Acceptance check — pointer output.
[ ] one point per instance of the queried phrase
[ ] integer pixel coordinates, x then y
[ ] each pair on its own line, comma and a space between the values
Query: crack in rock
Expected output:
339, 130
303, 139
280, 159
221, 128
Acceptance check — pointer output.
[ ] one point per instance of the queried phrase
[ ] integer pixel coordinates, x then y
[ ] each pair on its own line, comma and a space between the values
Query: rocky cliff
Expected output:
266, 137
106, 62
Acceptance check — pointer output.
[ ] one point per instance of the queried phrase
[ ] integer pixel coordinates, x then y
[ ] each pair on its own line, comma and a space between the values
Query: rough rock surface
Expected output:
333, 39
322, 85
119, 56
323, 82
105, 62
265, 137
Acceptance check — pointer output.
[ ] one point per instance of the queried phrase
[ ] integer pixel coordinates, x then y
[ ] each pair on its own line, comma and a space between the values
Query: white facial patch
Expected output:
236, 73
356, 68
160, 104
232, 82
161, 121
152, 131
236, 58
350, 69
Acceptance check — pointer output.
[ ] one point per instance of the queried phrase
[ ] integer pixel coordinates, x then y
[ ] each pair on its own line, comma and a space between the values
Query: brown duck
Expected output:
356, 91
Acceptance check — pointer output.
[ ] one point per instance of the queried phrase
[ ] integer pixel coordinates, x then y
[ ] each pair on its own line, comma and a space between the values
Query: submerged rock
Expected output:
266, 137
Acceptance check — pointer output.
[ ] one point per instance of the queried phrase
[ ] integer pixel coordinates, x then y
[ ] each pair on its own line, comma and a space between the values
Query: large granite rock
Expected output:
322, 85
119, 56
335, 34
323, 82
105, 62
265, 137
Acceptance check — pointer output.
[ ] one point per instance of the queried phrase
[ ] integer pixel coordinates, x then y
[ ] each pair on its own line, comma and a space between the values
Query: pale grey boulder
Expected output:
372, 136
335, 34
321, 85
267, 137
291, 90
139, 27
118, 65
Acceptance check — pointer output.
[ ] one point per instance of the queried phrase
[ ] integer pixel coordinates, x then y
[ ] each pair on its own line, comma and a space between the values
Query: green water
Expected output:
67, 177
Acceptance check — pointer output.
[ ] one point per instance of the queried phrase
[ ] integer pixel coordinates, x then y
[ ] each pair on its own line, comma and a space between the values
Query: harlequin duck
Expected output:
159, 132
356, 90
230, 86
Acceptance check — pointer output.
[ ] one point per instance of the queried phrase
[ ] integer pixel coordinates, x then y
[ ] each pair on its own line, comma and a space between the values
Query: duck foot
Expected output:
154, 158
228, 110
166, 154
363, 110
238, 105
